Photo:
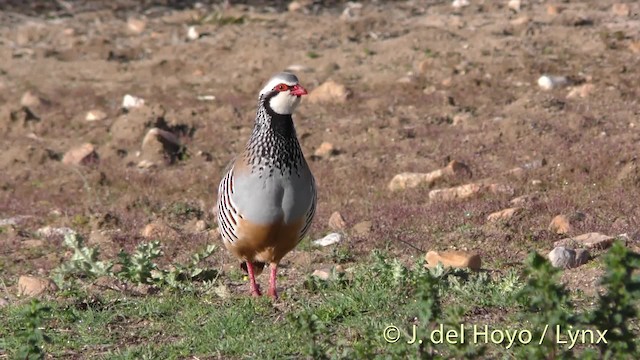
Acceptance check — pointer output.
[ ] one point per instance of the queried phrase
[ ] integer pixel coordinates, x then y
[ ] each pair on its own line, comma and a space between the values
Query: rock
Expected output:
560, 225
461, 119
329, 92
295, 6
351, 12
337, 222
592, 240
136, 26
196, 226
456, 259
192, 33
30, 99
159, 145
362, 228
457, 4
525, 200
581, 91
621, 9
158, 230
547, 82
95, 115
295, 68
519, 21
84, 154
582, 257
469, 190
330, 239
454, 169
553, 10
49, 231
503, 215
14, 220
325, 150
3, 302
322, 274
131, 102
562, 257
514, 5
634, 46
424, 66
34, 286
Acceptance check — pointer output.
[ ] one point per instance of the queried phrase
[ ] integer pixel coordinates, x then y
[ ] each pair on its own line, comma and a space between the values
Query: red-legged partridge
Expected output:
267, 199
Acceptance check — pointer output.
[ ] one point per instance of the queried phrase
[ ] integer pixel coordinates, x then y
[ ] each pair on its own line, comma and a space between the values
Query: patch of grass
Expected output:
312, 55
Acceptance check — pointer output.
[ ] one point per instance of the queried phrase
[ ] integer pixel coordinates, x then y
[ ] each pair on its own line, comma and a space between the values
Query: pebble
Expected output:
526, 199
553, 9
621, 9
456, 259
337, 222
332, 238
514, 5
95, 115
519, 21
457, 4
562, 257
158, 230
84, 154
455, 169
503, 215
30, 99
34, 286
192, 33
131, 102
136, 26
592, 240
325, 149
469, 190
294, 6
329, 92
560, 225
547, 82
581, 91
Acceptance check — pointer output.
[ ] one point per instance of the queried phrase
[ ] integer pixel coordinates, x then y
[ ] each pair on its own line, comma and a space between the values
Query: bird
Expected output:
267, 199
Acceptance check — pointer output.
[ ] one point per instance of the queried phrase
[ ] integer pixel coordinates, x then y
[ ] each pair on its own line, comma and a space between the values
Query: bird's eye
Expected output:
282, 87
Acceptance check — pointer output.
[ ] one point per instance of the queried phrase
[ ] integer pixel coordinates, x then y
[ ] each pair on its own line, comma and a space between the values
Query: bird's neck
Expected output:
273, 142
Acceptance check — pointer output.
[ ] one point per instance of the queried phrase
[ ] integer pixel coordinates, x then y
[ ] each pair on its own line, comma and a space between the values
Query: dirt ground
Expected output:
428, 84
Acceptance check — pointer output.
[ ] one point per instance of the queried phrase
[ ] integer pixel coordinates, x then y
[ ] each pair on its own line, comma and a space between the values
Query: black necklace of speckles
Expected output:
273, 143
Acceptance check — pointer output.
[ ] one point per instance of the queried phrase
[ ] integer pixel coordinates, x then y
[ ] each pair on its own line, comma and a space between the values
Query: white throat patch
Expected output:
284, 103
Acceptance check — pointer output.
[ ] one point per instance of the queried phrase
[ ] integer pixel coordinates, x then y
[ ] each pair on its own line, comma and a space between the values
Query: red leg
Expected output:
255, 290
272, 281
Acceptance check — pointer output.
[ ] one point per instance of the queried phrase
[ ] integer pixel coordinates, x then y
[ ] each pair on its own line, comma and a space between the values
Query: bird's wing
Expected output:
311, 211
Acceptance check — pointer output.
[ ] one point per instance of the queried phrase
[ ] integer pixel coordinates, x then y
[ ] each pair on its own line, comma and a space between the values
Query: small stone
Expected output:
514, 5
351, 11
582, 257
547, 82
562, 257
553, 10
222, 291
526, 199
362, 228
49, 231
201, 226
322, 274
3, 302
337, 222
457, 4
30, 99
158, 230
84, 154
146, 164
634, 46
330, 239
131, 102
456, 259
621, 9
536, 182
329, 91
521, 20
455, 169
458, 192
560, 225
424, 66
95, 115
461, 119
325, 149
136, 26
192, 33
295, 68
294, 6
159, 144
34, 286
581, 91
503, 215
589, 240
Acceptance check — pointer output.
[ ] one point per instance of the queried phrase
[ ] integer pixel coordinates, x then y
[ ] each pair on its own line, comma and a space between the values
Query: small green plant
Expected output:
313, 55
617, 306
33, 336
547, 309
136, 268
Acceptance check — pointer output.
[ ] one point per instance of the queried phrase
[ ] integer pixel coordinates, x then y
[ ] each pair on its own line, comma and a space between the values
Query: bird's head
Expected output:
282, 93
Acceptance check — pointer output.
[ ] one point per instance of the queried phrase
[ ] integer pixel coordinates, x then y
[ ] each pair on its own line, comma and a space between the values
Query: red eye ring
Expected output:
282, 87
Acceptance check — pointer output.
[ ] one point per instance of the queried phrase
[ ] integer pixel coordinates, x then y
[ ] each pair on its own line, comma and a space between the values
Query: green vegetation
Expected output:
379, 308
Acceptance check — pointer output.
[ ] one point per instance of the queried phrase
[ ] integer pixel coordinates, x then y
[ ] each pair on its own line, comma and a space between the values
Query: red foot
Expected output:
272, 282
255, 289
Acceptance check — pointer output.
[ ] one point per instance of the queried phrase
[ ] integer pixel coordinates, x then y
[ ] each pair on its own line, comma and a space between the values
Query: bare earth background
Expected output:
426, 84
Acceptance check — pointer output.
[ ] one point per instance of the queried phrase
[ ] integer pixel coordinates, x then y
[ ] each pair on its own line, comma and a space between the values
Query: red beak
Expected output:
298, 90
